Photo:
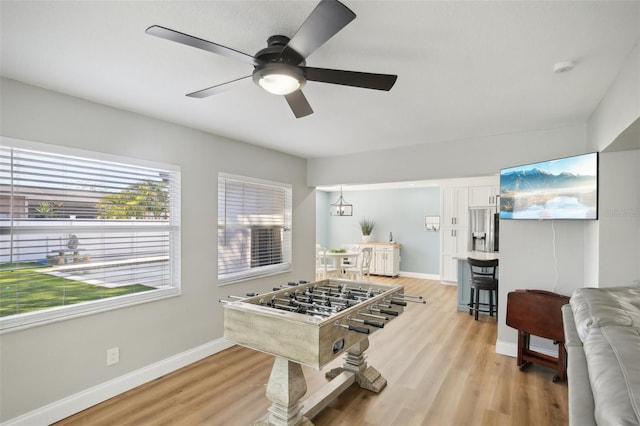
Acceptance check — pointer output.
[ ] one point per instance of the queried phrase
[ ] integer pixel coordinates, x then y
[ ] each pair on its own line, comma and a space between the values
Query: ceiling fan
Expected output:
280, 68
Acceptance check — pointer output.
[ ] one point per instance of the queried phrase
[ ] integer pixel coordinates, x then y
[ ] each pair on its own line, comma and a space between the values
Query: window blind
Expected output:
254, 227
76, 229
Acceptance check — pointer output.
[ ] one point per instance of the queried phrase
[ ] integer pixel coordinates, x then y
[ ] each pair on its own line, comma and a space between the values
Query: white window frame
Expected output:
60, 313
287, 233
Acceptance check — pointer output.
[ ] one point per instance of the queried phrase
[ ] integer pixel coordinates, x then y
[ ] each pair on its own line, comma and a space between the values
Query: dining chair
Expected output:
362, 266
350, 261
324, 265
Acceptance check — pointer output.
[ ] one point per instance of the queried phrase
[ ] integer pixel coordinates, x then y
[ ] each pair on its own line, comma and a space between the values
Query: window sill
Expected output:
33, 319
238, 278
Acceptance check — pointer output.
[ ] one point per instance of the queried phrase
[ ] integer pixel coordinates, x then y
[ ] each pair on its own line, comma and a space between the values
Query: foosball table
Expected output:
312, 323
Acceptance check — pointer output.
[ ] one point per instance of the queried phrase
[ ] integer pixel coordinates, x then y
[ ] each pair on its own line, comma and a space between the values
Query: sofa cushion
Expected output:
613, 359
608, 324
598, 307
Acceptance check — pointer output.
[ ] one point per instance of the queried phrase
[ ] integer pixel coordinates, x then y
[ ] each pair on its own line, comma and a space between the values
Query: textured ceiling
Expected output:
465, 69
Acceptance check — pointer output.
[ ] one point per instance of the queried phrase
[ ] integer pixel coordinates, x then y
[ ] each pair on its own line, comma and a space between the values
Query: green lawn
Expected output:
26, 290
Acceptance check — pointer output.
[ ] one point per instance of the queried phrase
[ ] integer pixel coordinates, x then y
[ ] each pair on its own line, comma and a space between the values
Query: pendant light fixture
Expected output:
341, 207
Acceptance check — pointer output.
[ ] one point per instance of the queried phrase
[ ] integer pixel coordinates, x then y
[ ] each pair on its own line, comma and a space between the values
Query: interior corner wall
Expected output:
620, 106
614, 242
619, 218
322, 218
46, 364
592, 254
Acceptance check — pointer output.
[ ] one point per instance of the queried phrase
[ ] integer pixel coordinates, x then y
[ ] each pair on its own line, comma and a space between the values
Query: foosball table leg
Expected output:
285, 388
367, 377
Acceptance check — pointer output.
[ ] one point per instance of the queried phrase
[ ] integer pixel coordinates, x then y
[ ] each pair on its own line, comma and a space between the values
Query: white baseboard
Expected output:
504, 348
75, 403
511, 349
419, 275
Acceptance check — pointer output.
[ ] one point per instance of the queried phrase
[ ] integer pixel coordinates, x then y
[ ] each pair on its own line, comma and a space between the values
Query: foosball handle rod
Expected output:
250, 294
396, 302
367, 322
412, 296
402, 299
381, 317
350, 327
385, 311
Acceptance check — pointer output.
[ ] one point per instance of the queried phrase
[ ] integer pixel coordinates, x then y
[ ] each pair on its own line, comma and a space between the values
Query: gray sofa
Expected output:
602, 338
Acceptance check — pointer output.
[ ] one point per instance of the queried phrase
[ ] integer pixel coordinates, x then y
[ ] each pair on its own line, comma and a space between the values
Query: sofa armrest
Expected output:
581, 405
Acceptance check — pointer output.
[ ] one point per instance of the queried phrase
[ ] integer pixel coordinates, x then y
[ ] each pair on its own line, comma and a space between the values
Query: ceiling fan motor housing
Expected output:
276, 52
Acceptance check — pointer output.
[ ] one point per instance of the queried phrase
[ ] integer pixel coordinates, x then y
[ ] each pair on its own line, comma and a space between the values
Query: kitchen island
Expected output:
464, 275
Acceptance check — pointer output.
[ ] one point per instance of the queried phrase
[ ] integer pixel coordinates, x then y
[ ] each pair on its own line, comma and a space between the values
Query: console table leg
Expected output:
367, 377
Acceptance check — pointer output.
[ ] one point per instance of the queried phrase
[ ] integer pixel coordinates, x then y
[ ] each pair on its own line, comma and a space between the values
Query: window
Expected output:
254, 228
83, 232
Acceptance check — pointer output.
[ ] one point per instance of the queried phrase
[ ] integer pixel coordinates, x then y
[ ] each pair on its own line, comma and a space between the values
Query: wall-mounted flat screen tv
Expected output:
565, 188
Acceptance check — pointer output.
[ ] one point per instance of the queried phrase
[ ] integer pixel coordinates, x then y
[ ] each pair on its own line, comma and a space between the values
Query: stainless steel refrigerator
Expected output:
483, 226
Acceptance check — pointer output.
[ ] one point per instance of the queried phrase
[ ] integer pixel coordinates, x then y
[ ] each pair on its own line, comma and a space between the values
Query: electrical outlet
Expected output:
113, 356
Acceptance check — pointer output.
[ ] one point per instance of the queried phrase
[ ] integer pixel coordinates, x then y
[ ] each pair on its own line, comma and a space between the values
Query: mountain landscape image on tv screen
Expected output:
566, 188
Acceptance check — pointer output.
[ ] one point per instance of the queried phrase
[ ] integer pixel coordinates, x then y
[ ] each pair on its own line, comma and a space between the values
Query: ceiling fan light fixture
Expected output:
279, 84
279, 79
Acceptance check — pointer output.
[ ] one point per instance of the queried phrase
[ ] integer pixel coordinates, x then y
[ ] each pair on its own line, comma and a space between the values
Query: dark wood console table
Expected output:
538, 313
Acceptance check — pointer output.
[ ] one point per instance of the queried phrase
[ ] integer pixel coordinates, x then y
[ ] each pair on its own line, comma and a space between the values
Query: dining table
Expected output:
338, 260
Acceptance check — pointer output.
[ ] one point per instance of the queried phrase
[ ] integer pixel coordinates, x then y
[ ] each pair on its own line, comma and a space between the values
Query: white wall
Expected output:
481, 156
619, 107
544, 255
619, 224
45, 364
613, 253
402, 213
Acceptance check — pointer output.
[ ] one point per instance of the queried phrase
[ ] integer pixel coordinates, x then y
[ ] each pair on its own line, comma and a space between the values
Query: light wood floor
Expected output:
440, 365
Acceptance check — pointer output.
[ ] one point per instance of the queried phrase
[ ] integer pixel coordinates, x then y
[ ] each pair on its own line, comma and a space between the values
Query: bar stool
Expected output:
483, 277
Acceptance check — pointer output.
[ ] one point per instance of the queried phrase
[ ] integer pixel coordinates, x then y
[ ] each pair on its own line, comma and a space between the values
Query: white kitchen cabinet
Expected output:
454, 241
454, 230
483, 196
455, 206
385, 260
449, 268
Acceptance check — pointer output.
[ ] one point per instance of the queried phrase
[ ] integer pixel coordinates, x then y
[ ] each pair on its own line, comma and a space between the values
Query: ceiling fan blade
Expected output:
329, 17
215, 89
298, 104
351, 78
199, 43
